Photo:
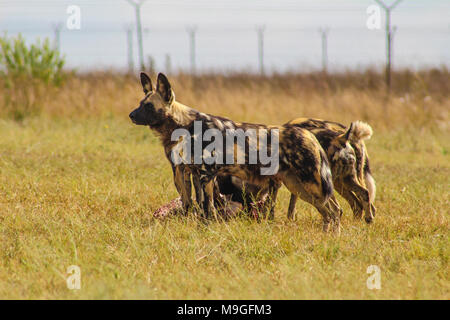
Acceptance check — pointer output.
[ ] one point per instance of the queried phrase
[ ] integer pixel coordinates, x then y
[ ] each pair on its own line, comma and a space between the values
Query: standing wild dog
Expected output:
348, 159
299, 162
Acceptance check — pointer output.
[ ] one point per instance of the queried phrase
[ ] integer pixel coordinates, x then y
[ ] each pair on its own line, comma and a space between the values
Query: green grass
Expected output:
81, 192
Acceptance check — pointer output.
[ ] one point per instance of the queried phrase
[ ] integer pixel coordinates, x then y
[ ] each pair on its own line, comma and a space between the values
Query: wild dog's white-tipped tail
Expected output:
359, 131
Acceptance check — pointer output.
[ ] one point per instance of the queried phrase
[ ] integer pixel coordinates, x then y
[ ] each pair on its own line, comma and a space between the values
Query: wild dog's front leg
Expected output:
271, 199
352, 200
362, 194
207, 186
183, 185
187, 189
355, 203
199, 197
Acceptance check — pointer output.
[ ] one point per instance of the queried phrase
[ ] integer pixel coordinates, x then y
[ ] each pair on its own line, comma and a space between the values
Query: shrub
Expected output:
28, 74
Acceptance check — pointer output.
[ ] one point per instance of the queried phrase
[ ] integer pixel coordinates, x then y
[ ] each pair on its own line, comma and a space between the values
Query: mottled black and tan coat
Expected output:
303, 164
348, 159
349, 162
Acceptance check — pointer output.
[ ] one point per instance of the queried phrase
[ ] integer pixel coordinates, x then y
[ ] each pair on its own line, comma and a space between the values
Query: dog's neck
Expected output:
177, 116
181, 114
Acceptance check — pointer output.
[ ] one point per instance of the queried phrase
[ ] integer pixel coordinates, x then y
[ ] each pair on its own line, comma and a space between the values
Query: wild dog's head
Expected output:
152, 110
342, 155
341, 152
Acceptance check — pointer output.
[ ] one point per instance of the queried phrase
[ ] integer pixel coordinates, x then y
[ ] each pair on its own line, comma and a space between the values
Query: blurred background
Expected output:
82, 57
218, 35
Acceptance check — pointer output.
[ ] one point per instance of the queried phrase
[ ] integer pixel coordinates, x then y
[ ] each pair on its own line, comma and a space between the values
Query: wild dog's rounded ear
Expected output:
146, 83
349, 131
343, 138
164, 89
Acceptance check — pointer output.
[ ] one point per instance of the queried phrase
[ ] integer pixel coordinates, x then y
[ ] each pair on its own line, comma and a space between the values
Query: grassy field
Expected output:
78, 184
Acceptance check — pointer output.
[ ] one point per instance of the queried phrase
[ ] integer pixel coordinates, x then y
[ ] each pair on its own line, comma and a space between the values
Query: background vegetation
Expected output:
29, 74
78, 184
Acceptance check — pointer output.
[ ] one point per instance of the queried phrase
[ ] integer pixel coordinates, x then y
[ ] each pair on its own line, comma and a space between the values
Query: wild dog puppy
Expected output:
296, 158
348, 159
239, 191
247, 197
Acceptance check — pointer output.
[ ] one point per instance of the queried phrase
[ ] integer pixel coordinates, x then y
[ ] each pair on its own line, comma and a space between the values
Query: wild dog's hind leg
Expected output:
314, 196
291, 210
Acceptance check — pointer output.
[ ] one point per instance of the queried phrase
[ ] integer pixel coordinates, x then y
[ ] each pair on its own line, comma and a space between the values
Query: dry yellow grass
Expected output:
78, 184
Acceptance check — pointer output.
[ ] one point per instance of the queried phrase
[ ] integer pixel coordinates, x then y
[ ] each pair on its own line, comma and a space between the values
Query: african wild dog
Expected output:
349, 163
303, 166
348, 159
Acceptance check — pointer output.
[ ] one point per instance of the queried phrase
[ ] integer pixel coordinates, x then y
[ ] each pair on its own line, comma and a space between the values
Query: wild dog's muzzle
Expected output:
132, 116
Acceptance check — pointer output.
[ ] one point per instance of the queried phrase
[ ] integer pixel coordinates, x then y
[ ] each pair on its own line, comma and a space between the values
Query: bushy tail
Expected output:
359, 130
325, 176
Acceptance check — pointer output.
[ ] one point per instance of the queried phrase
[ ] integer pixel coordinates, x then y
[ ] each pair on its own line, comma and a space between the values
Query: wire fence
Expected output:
264, 47
239, 48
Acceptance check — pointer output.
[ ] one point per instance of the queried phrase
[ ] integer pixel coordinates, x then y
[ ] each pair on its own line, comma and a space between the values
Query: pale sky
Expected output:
226, 37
